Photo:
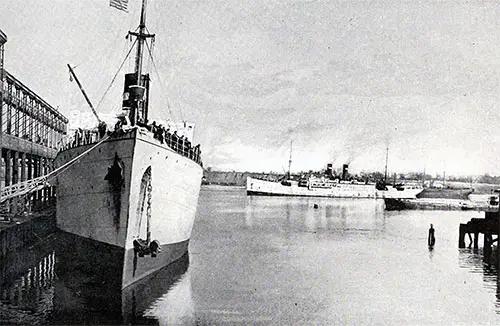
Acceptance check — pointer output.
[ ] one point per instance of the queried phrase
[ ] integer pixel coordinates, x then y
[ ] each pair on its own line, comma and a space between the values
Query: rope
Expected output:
67, 165
54, 173
114, 78
161, 83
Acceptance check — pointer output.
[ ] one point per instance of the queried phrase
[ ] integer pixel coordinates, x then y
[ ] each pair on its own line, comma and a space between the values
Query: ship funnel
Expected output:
329, 169
136, 98
344, 171
137, 92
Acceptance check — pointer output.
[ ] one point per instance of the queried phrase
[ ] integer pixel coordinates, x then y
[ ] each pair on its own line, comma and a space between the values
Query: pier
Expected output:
488, 226
31, 132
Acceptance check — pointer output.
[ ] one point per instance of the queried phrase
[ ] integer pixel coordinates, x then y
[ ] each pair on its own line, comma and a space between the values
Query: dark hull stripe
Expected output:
90, 277
122, 266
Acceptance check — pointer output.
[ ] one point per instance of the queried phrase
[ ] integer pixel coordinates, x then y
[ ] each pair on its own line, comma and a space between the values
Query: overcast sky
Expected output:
343, 80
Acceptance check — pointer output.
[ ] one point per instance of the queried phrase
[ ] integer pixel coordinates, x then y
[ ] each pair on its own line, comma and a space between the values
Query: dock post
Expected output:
487, 244
461, 236
476, 240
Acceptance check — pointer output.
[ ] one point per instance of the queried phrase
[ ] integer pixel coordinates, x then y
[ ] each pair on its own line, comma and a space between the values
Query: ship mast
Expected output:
138, 108
141, 38
386, 159
290, 161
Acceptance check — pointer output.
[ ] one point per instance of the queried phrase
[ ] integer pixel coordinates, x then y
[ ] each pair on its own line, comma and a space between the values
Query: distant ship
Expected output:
480, 202
133, 190
327, 186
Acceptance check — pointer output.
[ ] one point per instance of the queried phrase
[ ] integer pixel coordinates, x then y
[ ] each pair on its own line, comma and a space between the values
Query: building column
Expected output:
8, 167
15, 167
29, 166
23, 167
3, 171
38, 173
44, 172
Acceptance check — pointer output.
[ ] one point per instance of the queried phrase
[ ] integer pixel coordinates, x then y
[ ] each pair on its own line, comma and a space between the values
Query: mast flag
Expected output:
119, 4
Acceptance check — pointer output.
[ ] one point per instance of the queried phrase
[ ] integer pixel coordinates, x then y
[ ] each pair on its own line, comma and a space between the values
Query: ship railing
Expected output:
178, 144
83, 137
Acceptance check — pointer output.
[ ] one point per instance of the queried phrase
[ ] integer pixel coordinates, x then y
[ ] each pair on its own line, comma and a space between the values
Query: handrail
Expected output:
32, 185
91, 137
23, 188
87, 137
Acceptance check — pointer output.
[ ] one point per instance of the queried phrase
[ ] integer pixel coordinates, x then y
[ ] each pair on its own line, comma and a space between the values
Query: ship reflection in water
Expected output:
43, 285
269, 261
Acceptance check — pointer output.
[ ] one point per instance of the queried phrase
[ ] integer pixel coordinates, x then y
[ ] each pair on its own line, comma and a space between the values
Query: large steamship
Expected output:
130, 193
331, 186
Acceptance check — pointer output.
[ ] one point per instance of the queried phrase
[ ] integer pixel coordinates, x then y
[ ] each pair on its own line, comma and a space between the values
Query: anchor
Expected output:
146, 247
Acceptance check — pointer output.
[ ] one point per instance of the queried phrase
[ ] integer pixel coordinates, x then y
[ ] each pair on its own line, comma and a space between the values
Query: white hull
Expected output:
91, 207
340, 190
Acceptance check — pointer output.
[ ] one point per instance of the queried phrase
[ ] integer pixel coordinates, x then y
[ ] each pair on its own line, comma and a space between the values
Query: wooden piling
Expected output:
461, 236
488, 226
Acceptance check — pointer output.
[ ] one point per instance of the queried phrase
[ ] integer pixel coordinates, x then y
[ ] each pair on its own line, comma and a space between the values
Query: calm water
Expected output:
275, 260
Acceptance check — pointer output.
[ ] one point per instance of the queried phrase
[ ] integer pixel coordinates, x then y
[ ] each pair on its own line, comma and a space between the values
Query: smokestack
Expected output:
329, 169
344, 171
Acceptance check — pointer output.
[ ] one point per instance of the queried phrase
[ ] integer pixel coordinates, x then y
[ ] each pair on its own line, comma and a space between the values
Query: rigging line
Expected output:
65, 166
117, 38
161, 83
113, 80
59, 170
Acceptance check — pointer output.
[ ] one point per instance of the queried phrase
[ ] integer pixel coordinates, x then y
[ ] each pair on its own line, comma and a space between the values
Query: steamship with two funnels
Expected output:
132, 193
329, 186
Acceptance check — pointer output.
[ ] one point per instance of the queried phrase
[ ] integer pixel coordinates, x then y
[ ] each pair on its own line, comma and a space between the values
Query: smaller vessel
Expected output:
449, 193
447, 204
330, 186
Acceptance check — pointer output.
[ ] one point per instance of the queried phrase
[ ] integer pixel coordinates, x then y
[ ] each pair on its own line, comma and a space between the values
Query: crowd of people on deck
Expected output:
180, 144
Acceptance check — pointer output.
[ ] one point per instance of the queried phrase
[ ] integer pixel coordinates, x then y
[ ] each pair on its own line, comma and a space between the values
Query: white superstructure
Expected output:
324, 187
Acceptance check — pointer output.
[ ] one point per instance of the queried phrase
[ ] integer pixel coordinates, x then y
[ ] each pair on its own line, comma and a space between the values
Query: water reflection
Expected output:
476, 262
315, 214
38, 286
26, 296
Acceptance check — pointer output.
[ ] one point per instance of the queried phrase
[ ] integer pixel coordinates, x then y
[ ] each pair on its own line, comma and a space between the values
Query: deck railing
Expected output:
181, 145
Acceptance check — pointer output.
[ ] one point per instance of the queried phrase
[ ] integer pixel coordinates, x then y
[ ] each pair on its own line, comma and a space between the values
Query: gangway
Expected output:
26, 187
23, 188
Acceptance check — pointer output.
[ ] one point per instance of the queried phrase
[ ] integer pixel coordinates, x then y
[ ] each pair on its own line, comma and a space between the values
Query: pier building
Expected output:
30, 132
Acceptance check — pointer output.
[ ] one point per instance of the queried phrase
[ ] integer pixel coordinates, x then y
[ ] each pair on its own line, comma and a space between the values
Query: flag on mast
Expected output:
119, 4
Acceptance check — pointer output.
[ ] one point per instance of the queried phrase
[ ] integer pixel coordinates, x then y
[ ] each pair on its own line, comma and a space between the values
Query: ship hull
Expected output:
447, 204
88, 273
446, 193
256, 187
123, 188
